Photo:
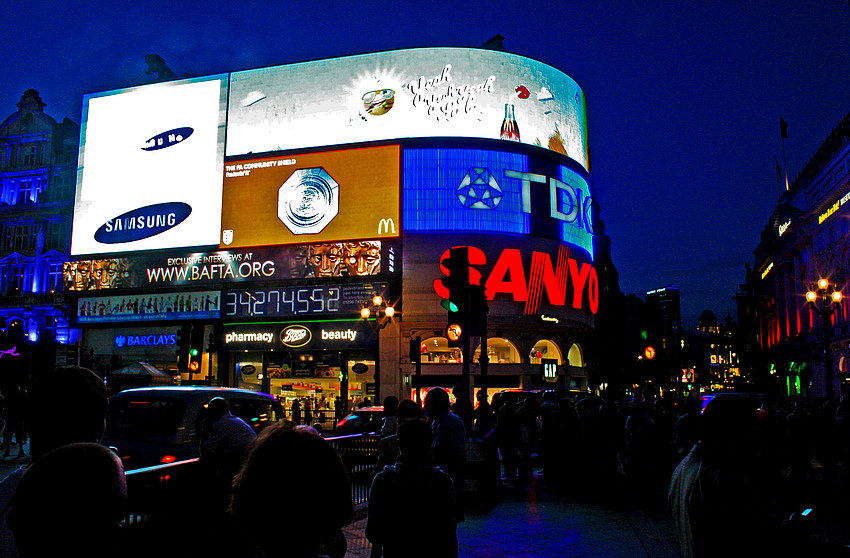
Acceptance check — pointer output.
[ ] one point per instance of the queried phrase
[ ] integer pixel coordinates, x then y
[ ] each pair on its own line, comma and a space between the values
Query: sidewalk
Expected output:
531, 521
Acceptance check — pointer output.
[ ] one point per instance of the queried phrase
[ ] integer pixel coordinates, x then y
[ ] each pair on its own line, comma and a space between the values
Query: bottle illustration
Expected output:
510, 129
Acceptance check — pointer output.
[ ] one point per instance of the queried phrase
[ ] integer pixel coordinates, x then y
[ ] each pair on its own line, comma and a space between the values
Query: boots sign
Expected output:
566, 282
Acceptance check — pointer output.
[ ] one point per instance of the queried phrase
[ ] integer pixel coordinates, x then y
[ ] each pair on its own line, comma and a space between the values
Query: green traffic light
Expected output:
194, 352
449, 305
643, 334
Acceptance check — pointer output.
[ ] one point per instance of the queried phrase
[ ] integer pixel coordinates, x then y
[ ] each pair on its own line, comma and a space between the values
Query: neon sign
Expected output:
784, 227
767, 270
10, 352
508, 276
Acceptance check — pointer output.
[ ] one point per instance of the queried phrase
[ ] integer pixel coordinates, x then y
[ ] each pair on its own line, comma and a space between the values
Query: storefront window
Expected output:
500, 351
436, 350
575, 357
544, 349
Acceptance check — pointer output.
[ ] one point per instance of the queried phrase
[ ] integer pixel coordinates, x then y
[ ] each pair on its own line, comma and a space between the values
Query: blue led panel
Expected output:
462, 190
450, 190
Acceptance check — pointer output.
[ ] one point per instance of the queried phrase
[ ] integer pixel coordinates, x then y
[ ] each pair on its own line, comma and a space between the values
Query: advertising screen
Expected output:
150, 167
195, 305
315, 197
340, 259
495, 191
304, 301
430, 92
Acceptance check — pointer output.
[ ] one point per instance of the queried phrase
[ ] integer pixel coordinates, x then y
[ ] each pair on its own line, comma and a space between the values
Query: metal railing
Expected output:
164, 493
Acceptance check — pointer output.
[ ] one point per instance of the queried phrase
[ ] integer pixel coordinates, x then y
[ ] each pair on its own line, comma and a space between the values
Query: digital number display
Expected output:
299, 301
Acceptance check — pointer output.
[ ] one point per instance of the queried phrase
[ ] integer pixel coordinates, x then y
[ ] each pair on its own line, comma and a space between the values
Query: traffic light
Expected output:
478, 310
196, 347
415, 350
457, 285
182, 351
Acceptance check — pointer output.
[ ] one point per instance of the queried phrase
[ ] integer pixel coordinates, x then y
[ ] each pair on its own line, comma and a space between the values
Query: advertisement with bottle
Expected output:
430, 92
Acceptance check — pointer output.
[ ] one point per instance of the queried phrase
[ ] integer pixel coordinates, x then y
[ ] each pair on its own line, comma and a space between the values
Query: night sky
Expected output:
683, 102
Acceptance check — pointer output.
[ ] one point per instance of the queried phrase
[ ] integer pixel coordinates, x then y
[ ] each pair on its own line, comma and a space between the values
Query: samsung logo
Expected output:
167, 139
143, 222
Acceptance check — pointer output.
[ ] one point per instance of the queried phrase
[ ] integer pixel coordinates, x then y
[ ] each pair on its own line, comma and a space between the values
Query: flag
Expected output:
783, 127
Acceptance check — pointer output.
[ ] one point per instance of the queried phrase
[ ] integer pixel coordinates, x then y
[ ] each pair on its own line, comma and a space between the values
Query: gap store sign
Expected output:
495, 191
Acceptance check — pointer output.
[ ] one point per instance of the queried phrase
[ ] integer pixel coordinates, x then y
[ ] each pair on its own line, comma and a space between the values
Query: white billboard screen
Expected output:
407, 93
150, 167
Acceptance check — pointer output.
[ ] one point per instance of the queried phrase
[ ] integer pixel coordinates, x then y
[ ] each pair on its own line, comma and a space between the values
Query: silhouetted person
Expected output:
296, 411
388, 446
715, 496
223, 445
14, 414
389, 425
412, 503
321, 491
64, 406
449, 445
70, 502
482, 416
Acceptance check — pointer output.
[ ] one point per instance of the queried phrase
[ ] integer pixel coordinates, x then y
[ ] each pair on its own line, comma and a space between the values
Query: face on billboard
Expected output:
316, 197
407, 93
150, 167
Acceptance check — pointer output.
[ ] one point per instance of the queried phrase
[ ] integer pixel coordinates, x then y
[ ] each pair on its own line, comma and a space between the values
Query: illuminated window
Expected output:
437, 351
500, 351
544, 349
575, 357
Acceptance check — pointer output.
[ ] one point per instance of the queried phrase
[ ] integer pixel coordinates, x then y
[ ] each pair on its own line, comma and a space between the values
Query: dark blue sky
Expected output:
683, 102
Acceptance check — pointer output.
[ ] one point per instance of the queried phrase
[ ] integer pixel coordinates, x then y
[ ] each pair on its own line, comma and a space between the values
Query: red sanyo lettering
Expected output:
508, 277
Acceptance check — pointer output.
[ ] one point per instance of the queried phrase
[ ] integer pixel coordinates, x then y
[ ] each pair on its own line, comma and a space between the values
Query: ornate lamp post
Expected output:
383, 312
825, 298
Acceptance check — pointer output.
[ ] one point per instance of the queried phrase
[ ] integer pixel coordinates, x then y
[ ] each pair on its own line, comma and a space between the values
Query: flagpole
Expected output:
778, 177
783, 131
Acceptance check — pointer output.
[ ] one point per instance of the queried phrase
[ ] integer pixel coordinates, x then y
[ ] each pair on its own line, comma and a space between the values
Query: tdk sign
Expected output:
167, 139
143, 222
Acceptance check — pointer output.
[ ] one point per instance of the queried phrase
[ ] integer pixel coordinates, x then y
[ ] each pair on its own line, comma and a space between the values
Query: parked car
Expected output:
156, 425
515, 395
361, 421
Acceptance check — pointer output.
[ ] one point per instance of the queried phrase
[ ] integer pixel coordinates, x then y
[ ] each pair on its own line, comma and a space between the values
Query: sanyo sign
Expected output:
508, 276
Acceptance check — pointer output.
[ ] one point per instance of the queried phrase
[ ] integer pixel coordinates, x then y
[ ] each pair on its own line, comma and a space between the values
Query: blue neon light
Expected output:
433, 202
450, 190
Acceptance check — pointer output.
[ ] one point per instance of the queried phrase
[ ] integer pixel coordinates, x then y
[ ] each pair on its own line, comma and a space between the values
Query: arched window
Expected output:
500, 351
574, 356
545, 349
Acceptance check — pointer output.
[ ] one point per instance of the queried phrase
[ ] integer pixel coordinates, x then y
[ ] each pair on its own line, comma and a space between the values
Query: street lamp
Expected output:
383, 312
825, 298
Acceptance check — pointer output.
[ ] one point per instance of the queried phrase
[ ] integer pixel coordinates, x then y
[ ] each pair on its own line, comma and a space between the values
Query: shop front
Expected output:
317, 370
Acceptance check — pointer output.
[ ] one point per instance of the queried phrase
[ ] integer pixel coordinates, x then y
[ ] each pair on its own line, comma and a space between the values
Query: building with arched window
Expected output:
38, 159
807, 238
268, 208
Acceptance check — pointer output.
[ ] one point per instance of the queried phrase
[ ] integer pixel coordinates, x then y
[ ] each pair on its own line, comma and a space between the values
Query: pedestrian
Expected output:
296, 411
308, 412
401, 527
14, 409
65, 405
389, 425
449, 444
388, 446
80, 491
223, 444
322, 493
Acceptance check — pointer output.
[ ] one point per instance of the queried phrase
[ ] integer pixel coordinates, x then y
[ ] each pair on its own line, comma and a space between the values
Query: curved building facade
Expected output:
255, 215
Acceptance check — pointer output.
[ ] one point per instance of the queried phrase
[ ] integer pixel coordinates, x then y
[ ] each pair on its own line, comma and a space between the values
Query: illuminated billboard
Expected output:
194, 305
339, 259
495, 191
315, 197
150, 167
432, 92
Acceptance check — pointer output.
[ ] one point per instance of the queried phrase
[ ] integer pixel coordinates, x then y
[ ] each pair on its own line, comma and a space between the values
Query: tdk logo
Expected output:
143, 222
167, 139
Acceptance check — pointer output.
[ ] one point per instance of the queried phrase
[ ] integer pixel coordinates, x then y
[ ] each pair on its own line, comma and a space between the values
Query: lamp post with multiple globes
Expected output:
825, 298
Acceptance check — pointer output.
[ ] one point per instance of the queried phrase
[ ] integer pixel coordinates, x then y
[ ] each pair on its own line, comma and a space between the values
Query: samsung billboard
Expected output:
431, 92
150, 167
